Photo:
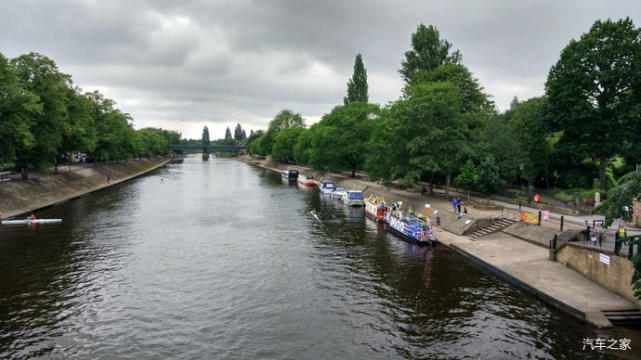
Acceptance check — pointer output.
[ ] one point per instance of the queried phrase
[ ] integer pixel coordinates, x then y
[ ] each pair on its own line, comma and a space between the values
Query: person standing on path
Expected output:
458, 204
454, 204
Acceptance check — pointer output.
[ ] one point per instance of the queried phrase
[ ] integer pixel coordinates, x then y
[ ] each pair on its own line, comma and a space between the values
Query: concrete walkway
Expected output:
527, 266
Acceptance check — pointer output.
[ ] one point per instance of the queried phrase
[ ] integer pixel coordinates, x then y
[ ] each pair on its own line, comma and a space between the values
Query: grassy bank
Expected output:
18, 197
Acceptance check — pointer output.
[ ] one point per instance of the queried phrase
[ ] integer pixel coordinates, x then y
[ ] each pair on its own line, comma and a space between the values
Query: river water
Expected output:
220, 259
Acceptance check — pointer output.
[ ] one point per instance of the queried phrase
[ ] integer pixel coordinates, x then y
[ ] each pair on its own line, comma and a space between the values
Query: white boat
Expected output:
29, 222
354, 198
327, 187
338, 192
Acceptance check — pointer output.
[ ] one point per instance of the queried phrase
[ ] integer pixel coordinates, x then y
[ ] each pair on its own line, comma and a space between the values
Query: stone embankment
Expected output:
516, 254
19, 197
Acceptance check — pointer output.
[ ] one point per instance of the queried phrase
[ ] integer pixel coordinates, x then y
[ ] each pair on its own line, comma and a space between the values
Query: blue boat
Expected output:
327, 187
409, 227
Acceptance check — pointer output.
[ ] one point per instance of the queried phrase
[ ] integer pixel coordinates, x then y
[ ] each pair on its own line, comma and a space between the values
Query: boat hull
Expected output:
30, 222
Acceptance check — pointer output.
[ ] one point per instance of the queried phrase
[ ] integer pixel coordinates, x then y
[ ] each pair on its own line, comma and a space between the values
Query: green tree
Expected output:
19, 109
593, 91
227, 133
357, 85
284, 143
283, 120
239, 133
489, 179
428, 52
39, 75
339, 141
79, 132
467, 178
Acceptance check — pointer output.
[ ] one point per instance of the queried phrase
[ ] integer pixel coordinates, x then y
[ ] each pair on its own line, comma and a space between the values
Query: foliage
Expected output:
428, 52
283, 148
489, 179
467, 177
593, 91
357, 85
239, 133
621, 198
227, 133
338, 141
205, 136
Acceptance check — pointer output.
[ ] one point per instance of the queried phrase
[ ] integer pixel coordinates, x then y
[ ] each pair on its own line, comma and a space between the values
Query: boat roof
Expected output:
339, 188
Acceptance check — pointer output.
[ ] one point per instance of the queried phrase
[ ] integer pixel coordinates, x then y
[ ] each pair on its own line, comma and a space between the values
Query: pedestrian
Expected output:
458, 204
622, 232
454, 204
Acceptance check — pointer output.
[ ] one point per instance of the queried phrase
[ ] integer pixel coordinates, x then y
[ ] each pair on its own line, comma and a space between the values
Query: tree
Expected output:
283, 120
18, 111
205, 137
39, 75
467, 178
339, 141
357, 85
227, 133
284, 143
489, 179
428, 52
593, 91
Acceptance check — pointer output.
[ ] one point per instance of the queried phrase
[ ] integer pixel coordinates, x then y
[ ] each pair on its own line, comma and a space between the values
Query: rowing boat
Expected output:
29, 222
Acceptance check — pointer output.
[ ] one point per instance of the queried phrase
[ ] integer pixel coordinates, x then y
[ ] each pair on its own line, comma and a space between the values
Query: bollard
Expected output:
561, 222
554, 242
539, 218
630, 249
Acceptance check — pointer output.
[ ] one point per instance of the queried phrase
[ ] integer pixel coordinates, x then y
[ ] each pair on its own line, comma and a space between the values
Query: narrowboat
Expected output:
375, 208
307, 181
409, 227
289, 175
353, 198
327, 187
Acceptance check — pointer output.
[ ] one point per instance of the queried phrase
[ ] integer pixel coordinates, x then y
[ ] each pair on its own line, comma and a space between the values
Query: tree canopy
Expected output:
428, 52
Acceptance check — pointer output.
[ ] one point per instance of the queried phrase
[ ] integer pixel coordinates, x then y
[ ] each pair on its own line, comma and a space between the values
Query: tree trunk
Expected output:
354, 172
602, 165
447, 185
25, 172
432, 184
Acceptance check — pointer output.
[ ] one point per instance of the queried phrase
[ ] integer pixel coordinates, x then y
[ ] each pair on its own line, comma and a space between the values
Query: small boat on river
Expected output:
30, 221
375, 208
338, 192
289, 175
353, 198
327, 187
307, 181
409, 227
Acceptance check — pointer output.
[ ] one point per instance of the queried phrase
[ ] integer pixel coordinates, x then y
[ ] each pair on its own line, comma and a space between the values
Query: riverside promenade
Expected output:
521, 263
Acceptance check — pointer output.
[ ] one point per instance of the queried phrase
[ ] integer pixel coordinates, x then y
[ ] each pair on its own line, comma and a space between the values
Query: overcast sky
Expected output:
185, 64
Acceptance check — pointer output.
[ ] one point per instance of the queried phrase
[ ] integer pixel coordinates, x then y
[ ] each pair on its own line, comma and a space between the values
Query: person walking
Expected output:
458, 204
454, 204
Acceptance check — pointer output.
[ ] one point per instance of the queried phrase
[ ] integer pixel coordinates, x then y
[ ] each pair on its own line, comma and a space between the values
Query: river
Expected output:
220, 259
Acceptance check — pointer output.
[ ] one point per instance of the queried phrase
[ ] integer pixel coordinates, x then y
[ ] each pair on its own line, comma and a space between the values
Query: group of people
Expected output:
456, 205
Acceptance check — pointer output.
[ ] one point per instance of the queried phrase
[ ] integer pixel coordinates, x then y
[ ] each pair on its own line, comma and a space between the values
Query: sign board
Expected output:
529, 218
604, 259
597, 223
545, 215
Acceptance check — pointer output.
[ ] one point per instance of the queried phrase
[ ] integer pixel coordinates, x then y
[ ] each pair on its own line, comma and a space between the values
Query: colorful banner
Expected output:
545, 215
529, 218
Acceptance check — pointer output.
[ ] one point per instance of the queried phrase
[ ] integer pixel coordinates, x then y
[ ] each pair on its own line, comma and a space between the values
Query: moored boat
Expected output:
375, 208
289, 175
338, 192
411, 228
327, 186
308, 180
353, 198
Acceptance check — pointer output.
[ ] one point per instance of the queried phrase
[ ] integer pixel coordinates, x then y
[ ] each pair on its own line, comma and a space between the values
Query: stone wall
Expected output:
615, 277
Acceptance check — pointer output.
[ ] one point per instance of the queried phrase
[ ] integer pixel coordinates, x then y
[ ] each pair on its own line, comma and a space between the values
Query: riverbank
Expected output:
19, 197
518, 262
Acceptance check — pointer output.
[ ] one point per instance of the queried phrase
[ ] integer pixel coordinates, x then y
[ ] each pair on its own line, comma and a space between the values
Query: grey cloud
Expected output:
242, 61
